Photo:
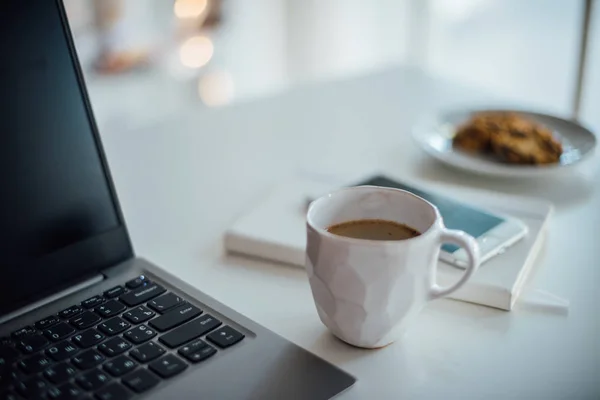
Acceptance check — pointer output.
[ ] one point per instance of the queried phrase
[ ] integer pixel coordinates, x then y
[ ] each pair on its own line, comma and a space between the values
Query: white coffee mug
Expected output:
368, 291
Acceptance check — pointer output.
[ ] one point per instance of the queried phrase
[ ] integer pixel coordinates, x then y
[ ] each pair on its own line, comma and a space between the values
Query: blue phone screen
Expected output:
455, 214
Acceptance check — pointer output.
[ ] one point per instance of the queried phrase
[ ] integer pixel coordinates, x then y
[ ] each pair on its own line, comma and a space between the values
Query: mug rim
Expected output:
326, 233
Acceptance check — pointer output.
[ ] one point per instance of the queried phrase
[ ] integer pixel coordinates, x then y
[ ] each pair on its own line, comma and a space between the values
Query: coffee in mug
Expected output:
374, 229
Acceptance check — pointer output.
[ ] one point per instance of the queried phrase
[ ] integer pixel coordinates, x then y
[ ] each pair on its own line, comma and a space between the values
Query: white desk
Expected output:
183, 181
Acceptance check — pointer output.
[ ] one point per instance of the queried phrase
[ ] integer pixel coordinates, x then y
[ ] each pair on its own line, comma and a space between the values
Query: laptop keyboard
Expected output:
112, 346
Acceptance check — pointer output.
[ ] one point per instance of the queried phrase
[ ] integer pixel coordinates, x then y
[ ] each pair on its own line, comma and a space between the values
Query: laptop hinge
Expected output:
53, 297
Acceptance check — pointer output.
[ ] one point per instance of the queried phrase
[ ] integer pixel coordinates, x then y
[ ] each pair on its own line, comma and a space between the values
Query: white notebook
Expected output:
275, 230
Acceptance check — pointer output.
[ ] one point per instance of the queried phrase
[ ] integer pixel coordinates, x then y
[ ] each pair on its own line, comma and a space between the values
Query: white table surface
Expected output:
183, 181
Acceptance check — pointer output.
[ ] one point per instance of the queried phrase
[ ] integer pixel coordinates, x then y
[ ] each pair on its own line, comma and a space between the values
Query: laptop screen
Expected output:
56, 197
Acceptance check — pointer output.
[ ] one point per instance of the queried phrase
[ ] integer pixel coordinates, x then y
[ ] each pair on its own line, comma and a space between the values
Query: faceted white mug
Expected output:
367, 292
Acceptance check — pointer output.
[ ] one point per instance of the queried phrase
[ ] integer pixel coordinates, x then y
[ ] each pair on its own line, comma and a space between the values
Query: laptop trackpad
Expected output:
258, 369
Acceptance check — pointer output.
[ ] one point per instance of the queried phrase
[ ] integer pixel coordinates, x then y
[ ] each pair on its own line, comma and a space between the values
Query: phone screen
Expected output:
455, 214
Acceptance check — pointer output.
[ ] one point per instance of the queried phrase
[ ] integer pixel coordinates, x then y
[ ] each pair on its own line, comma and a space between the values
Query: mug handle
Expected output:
471, 247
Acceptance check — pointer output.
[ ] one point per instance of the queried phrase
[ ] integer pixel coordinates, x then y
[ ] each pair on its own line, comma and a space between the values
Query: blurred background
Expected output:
146, 60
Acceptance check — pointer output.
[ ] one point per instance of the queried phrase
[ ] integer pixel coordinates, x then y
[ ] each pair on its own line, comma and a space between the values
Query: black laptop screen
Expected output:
55, 193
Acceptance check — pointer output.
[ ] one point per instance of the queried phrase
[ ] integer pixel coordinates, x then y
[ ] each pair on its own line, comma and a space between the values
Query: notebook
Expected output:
275, 230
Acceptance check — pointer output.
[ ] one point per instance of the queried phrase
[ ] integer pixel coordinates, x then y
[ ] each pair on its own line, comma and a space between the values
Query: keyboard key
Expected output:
114, 325
139, 334
9, 395
141, 380
114, 292
47, 322
114, 391
88, 359
175, 317
59, 332
85, 320
225, 336
120, 366
168, 366
70, 312
10, 376
62, 350
138, 315
190, 331
142, 294
192, 348
92, 380
202, 354
165, 302
68, 391
147, 352
197, 351
7, 355
60, 373
93, 302
137, 282
114, 346
32, 387
34, 363
32, 344
25, 331
53, 393
88, 338
110, 308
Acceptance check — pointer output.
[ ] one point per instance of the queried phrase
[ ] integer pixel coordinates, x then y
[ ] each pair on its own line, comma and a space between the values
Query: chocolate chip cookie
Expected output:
509, 137
475, 136
524, 143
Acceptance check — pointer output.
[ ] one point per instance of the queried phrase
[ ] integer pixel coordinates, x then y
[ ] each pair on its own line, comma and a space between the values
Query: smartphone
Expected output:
494, 233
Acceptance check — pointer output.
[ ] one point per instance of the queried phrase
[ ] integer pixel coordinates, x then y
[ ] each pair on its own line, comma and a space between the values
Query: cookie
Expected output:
524, 143
472, 139
475, 135
509, 137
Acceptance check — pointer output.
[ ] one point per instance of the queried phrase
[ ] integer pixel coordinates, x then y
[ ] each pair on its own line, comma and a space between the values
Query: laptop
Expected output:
81, 317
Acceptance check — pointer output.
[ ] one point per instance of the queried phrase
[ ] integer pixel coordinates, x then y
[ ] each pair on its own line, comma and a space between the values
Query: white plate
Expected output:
434, 134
